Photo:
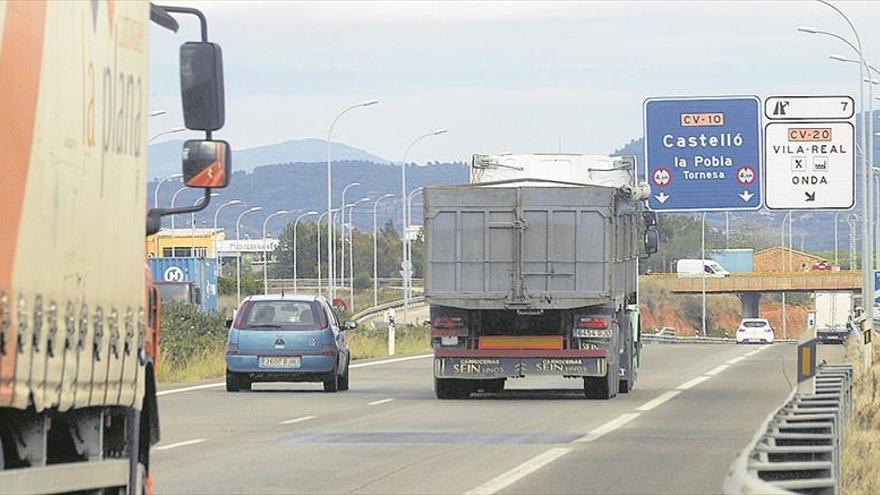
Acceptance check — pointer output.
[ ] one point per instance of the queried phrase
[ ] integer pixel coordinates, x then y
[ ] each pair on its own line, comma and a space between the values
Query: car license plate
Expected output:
280, 362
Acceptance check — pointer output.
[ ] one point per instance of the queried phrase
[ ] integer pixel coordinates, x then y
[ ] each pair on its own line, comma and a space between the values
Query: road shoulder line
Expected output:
519, 472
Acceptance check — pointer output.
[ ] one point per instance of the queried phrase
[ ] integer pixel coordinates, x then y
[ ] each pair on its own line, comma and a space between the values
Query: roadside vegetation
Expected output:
861, 447
192, 344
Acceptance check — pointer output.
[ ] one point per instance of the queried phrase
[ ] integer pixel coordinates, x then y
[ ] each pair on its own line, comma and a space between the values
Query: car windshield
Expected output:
754, 324
287, 315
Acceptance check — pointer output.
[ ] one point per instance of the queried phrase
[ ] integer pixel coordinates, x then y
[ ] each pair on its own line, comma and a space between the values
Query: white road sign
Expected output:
809, 165
809, 107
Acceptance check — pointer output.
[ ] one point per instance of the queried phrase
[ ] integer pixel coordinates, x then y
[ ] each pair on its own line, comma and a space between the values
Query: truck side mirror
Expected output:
206, 164
650, 218
652, 240
201, 86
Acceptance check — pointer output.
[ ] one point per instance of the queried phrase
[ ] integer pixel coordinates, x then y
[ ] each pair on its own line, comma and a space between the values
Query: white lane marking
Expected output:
390, 361
357, 365
752, 353
377, 402
735, 360
510, 477
297, 420
693, 383
181, 444
715, 371
659, 400
190, 389
607, 428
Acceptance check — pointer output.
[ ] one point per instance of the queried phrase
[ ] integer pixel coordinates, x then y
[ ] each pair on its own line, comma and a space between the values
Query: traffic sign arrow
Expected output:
662, 197
746, 196
811, 196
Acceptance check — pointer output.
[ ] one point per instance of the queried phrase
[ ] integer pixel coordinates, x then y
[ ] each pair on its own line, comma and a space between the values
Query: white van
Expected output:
696, 268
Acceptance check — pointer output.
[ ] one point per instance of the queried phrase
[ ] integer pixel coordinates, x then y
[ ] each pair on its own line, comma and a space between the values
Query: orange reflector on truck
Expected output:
521, 342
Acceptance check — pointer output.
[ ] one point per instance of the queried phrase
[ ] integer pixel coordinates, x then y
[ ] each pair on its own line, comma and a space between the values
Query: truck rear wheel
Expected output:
601, 387
452, 388
625, 386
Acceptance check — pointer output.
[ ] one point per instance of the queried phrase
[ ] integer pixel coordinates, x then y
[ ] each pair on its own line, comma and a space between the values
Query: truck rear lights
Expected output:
592, 322
449, 326
231, 349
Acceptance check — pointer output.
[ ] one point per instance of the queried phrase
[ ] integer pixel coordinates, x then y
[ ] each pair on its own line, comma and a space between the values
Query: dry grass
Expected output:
368, 343
364, 344
205, 364
861, 448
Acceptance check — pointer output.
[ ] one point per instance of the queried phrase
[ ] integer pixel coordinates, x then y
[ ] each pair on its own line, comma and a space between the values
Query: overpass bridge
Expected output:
737, 283
749, 286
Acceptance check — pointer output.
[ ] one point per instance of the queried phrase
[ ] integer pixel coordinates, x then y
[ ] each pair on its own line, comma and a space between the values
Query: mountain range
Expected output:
164, 158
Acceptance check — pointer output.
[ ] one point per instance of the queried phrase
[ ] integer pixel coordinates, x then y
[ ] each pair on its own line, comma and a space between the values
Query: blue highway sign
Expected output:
703, 154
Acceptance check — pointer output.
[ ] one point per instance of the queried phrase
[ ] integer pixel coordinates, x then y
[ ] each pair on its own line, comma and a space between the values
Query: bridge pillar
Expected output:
749, 303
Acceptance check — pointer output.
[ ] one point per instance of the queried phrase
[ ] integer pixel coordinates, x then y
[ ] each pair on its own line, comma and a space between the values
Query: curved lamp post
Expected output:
330, 273
266, 250
238, 250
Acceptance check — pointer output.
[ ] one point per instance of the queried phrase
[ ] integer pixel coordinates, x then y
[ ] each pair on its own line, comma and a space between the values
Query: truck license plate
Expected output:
280, 362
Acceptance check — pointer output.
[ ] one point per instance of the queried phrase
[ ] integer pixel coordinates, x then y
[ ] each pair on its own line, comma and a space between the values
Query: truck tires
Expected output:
625, 386
452, 388
601, 387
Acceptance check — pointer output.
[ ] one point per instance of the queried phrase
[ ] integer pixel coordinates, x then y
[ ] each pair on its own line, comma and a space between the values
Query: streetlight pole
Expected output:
867, 163
165, 133
405, 216
192, 225
351, 247
329, 214
375, 247
238, 250
295, 225
266, 250
407, 286
156, 202
173, 199
703, 262
342, 224
330, 192
836, 259
216, 214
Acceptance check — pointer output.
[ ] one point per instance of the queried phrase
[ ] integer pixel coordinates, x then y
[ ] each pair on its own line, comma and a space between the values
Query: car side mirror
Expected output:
229, 323
201, 86
652, 240
349, 325
206, 164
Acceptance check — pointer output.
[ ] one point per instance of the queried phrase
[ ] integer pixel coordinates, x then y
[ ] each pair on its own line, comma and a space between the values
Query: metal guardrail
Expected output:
674, 339
797, 449
378, 310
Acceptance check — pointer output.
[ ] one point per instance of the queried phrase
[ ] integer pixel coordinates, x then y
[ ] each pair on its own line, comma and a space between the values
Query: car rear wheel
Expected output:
232, 382
343, 380
331, 384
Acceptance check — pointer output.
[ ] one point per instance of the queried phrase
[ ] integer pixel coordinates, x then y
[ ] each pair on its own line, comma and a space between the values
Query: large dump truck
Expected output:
79, 316
527, 275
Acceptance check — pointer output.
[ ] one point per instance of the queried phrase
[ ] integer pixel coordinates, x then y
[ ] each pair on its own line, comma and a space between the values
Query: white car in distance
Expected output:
754, 330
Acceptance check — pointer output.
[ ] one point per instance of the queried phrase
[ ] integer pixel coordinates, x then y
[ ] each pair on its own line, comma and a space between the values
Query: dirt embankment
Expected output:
683, 313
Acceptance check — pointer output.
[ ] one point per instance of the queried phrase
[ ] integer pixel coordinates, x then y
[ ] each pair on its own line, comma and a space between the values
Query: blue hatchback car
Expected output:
286, 339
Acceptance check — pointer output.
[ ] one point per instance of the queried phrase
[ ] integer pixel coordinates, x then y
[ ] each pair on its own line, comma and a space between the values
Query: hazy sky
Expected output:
501, 76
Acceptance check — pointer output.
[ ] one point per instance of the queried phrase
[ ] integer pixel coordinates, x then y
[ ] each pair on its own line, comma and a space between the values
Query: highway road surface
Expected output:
694, 408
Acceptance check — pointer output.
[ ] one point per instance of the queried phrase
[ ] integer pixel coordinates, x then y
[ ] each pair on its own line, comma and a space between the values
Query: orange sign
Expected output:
819, 134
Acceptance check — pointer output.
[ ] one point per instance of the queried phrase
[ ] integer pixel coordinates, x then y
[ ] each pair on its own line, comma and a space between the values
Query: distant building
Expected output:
782, 259
200, 243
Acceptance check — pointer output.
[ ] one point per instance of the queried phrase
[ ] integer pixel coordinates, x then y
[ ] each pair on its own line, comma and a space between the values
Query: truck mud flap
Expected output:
488, 367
